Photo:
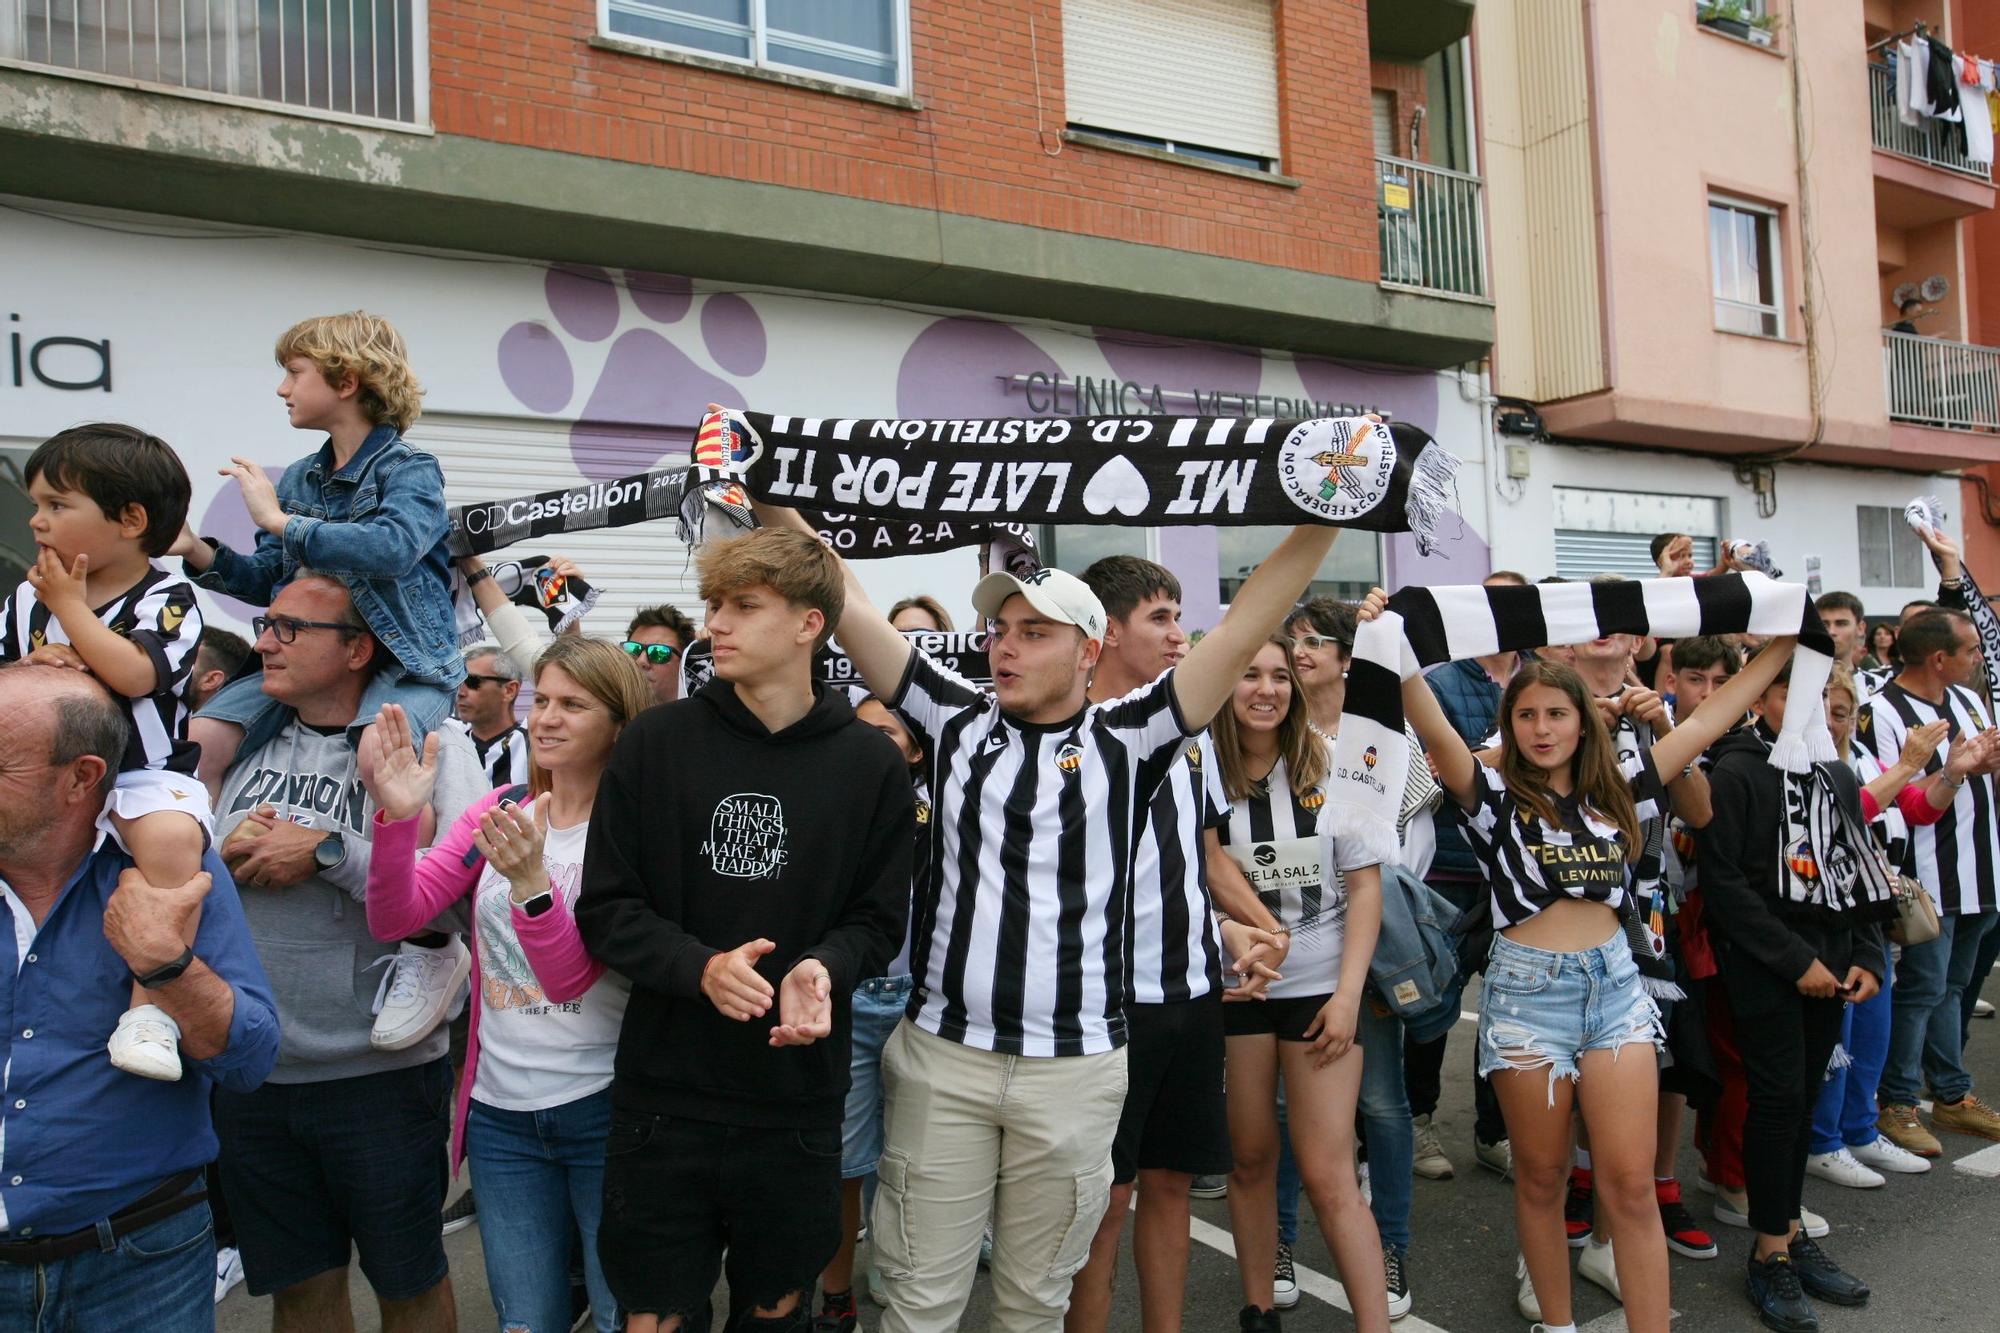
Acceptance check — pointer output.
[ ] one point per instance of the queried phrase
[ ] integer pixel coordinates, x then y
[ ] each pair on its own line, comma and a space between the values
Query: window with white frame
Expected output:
1891, 554
1194, 77
1743, 259
863, 42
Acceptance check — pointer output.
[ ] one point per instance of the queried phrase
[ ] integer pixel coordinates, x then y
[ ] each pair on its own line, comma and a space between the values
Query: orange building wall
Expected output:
522, 72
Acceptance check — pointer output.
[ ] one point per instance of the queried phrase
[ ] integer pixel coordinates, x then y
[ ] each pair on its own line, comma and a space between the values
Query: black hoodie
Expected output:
710, 831
1738, 853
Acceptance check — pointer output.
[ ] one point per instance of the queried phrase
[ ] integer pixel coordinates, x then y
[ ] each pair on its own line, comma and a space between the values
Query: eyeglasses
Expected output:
473, 682
659, 654
1314, 642
285, 629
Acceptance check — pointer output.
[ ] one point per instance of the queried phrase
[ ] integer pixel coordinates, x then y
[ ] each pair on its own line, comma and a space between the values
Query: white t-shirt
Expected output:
534, 1054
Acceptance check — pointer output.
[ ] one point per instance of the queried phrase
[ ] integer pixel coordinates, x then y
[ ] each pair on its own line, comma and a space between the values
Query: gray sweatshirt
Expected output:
313, 937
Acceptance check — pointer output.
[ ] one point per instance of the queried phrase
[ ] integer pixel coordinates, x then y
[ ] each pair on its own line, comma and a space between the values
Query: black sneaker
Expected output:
1779, 1297
836, 1313
1397, 1282
1823, 1279
1579, 1208
461, 1214
1284, 1279
1252, 1320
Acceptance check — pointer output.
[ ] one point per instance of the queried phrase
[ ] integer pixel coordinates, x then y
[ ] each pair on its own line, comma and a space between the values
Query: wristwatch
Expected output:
330, 852
166, 972
538, 904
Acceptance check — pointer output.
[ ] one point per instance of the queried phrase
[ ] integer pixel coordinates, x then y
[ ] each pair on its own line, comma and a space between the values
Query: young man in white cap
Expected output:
1005, 1082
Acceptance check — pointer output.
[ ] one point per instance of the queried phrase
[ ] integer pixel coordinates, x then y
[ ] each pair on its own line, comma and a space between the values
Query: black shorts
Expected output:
679, 1192
317, 1172
1176, 1117
1285, 1019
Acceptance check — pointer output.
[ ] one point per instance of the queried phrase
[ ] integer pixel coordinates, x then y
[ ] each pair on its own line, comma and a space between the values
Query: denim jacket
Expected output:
378, 525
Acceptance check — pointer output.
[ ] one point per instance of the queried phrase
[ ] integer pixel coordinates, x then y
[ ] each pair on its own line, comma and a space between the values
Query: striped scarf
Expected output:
1426, 626
1927, 511
1350, 472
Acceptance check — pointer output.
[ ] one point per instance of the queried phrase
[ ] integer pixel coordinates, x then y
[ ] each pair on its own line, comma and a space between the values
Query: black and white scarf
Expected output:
1827, 863
1926, 512
529, 584
962, 653
1356, 472
1426, 626
488, 525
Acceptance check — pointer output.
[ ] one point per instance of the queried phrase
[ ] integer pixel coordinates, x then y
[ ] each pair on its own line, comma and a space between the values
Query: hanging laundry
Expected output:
1976, 121
1942, 85
1913, 68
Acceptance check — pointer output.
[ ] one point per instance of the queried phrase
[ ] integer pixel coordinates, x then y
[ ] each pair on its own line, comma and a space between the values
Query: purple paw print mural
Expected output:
649, 395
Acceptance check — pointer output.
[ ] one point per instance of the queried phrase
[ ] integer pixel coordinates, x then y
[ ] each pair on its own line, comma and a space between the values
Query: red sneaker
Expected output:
1683, 1236
1578, 1208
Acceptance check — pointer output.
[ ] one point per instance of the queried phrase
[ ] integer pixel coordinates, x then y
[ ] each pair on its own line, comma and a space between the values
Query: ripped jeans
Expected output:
1543, 1010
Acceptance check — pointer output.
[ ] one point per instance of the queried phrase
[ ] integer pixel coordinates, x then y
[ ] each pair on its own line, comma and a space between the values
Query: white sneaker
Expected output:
1812, 1223
1525, 1300
415, 992
146, 1042
1982, 1009
1840, 1167
1732, 1207
1430, 1161
1884, 1155
228, 1271
1495, 1157
1595, 1263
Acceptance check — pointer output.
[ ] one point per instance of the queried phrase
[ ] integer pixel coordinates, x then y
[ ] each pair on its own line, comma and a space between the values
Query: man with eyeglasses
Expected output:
486, 708
343, 1148
655, 639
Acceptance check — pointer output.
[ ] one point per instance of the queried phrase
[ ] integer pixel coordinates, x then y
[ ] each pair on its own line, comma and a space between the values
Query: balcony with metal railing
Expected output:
1433, 229
340, 59
1940, 383
1934, 142
1922, 173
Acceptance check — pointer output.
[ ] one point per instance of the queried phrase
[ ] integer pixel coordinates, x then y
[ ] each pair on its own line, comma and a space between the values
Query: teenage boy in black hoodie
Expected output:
1797, 937
748, 863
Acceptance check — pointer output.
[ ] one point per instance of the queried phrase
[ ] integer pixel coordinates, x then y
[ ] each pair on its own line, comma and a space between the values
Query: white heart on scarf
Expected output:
1117, 487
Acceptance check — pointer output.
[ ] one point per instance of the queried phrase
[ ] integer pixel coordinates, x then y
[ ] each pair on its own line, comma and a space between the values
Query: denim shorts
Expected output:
1544, 1010
878, 1006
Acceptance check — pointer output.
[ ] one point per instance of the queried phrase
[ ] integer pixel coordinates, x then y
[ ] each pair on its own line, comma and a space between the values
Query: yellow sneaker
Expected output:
1970, 1116
1900, 1125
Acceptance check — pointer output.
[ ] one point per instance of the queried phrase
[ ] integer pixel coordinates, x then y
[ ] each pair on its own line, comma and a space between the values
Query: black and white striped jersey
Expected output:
503, 757
1957, 857
1021, 937
159, 614
1530, 863
1176, 949
1272, 834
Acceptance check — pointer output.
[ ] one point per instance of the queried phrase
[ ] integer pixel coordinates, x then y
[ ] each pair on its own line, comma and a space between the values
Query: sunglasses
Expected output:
659, 654
473, 682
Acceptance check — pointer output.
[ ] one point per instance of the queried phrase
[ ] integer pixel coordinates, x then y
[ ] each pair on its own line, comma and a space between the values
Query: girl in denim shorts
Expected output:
1554, 818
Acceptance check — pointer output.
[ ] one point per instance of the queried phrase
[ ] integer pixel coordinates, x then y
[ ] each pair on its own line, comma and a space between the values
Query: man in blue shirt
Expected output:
103, 1220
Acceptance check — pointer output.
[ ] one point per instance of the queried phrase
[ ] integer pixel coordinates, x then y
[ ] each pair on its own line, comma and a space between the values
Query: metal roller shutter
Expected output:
1197, 72
1585, 555
490, 458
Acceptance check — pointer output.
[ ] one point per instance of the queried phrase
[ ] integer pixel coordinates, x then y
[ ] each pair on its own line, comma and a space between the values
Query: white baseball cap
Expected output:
1057, 595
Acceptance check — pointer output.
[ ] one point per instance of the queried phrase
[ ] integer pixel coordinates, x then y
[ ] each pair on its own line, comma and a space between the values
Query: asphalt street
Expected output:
1926, 1243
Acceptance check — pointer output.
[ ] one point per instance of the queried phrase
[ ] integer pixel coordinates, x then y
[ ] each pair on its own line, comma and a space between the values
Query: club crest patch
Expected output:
1070, 758
1313, 799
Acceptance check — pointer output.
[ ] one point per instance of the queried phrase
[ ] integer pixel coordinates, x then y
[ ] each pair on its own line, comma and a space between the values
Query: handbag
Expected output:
1916, 915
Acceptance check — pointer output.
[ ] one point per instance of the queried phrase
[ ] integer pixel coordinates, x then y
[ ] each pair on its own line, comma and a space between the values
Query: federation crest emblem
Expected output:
1070, 758
1339, 468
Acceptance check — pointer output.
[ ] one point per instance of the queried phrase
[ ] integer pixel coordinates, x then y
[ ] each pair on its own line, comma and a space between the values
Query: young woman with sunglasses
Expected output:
1554, 818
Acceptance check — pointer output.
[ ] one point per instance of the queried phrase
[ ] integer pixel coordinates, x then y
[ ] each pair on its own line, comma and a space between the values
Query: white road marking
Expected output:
1985, 1162
1615, 1322
1314, 1284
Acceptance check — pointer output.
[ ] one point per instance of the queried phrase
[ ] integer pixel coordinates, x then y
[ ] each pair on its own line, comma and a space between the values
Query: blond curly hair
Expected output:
366, 347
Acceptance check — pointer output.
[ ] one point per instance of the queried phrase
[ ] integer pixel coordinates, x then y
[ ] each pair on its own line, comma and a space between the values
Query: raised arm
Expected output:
1723, 709
1203, 681
866, 636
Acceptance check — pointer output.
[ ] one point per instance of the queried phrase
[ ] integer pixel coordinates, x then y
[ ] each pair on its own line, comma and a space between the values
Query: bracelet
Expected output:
476, 575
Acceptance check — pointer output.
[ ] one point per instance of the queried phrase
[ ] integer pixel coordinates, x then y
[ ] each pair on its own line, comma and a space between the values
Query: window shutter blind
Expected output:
1384, 105
1585, 555
1199, 72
